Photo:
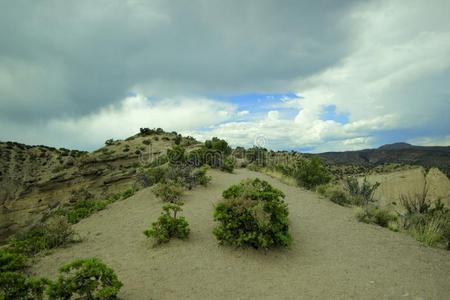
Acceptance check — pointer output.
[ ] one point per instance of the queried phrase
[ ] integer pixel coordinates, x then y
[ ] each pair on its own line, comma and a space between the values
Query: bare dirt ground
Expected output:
333, 256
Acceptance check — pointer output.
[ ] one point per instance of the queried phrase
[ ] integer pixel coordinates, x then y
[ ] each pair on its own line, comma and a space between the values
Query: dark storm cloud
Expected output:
71, 57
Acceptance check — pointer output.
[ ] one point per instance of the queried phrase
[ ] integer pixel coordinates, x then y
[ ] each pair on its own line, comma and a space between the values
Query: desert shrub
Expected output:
252, 213
169, 191
85, 279
15, 285
56, 232
218, 145
228, 164
10, 261
176, 155
179, 172
156, 175
427, 222
178, 139
128, 193
147, 142
434, 230
322, 189
84, 208
145, 131
109, 142
215, 153
200, 176
416, 204
363, 193
256, 156
310, 172
339, 197
375, 215
169, 225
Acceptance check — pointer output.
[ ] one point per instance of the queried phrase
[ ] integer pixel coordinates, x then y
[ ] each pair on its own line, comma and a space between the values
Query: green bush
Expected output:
56, 232
200, 176
339, 197
169, 191
85, 279
168, 225
178, 139
220, 145
156, 175
128, 193
252, 213
10, 261
84, 208
14, 285
228, 164
310, 172
176, 155
376, 215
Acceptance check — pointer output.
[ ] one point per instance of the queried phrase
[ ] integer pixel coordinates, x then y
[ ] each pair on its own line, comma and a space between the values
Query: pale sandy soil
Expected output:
411, 182
333, 256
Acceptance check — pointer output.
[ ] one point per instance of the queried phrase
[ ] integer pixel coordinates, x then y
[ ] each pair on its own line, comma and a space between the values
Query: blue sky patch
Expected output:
329, 113
257, 102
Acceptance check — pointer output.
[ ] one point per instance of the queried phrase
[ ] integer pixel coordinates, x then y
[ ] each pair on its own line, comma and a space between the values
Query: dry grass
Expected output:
281, 177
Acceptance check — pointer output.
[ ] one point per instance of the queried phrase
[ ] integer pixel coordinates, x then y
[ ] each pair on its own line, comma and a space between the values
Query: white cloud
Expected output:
125, 119
243, 113
385, 66
392, 80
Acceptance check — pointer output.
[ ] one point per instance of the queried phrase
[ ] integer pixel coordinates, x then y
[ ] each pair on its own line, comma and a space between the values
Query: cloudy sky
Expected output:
306, 75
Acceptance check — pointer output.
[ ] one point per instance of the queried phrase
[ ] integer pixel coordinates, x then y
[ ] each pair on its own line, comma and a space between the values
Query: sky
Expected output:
311, 76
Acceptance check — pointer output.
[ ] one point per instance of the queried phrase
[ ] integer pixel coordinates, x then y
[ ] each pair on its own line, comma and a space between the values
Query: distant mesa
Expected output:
396, 146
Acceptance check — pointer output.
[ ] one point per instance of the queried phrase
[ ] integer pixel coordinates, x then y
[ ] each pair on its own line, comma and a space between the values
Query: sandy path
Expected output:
333, 256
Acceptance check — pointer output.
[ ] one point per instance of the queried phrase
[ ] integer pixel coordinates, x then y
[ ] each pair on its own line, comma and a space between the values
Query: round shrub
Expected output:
311, 172
228, 164
14, 285
85, 279
168, 225
169, 191
252, 213
10, 261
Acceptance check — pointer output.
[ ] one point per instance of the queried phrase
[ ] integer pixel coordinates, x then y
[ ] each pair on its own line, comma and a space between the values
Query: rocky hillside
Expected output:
399, 153
37, 179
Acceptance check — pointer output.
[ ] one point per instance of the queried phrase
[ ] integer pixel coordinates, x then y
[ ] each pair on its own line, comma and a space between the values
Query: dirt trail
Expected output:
333, 256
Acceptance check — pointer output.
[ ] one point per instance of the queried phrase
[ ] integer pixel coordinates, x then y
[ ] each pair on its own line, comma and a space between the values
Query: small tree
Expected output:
169, 225
85, 279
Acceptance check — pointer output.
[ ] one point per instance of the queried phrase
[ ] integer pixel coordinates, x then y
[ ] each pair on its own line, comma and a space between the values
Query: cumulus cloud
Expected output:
67, 71
125, 118
392, 80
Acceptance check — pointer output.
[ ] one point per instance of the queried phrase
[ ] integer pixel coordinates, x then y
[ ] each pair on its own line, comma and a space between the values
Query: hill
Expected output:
398, 153
37, 179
